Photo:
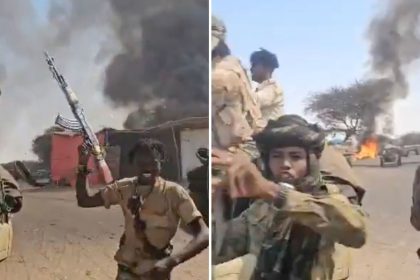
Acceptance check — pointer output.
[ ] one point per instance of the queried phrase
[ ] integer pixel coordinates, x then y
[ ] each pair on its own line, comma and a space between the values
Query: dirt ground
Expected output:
390, 252
54, 239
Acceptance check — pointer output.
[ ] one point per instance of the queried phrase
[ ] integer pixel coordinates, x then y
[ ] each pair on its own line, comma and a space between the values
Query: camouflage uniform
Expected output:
303, 235
10, 202
270, 98
147, 240
336, 168
235, 114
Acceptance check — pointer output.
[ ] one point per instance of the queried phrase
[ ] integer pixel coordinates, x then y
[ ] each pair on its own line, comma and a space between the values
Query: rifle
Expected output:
80, 123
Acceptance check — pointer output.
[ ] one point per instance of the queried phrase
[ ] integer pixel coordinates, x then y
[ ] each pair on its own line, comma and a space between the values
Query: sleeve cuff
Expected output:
280, 199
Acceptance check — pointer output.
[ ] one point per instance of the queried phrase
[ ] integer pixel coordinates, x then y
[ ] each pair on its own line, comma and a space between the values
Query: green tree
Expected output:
350, 109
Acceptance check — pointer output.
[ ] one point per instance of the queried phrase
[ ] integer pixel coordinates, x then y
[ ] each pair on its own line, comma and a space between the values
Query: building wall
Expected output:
64, 159
191, 140
180, 154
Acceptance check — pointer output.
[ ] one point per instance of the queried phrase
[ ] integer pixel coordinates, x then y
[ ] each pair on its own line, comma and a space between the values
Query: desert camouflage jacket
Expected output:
269, 96
305, 239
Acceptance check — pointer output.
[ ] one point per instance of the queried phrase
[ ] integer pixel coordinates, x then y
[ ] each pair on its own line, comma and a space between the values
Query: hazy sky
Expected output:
319, 44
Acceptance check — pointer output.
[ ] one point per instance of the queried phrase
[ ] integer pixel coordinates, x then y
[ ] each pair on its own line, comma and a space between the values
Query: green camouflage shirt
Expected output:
328, 221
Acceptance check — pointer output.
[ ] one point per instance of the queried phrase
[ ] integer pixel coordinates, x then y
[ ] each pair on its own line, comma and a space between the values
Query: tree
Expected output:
351, 109
41, 145
412, 138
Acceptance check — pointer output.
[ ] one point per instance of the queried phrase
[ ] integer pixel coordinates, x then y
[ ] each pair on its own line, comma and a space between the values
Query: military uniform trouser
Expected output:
124, 273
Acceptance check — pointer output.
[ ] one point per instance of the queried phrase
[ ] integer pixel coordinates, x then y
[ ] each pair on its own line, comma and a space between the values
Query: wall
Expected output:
64, 159
191, 140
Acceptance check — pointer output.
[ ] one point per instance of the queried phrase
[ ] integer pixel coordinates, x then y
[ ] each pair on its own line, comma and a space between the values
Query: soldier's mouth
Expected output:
147, 174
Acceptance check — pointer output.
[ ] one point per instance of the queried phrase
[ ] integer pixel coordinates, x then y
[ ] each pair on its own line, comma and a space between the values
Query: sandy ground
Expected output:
54, 239
390, 252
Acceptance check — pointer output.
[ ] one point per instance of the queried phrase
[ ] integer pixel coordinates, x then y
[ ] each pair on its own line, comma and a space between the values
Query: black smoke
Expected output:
395, 42
163, 65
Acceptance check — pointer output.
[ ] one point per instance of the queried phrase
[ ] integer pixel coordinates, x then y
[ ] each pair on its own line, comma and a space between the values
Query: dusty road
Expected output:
54, 239
392, 243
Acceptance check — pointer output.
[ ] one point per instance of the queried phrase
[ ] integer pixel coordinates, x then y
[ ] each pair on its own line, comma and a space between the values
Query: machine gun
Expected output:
80, 123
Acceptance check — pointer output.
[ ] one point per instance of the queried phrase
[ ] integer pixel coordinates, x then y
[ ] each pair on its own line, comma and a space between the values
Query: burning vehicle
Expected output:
386, 148
369, 149
391, 154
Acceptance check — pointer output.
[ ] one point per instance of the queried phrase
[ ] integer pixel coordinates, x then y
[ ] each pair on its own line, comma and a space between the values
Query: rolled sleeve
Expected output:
114, 193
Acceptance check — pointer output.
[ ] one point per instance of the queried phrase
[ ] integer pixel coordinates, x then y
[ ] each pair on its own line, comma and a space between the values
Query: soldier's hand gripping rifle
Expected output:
80, 123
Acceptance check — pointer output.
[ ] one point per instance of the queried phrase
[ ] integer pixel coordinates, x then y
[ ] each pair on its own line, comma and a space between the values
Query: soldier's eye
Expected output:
296, 157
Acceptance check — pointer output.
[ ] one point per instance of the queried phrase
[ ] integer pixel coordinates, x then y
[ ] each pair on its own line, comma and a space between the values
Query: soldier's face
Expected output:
258, 72
148, 168
288, 164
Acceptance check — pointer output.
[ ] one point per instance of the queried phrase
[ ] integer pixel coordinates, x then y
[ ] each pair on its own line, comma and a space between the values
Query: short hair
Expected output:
264, 57
148, 145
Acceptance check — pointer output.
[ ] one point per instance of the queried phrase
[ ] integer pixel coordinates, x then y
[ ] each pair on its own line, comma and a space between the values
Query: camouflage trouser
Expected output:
124, 273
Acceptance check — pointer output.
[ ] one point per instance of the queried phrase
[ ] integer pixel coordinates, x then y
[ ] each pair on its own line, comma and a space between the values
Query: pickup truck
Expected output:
408, 150
391, 154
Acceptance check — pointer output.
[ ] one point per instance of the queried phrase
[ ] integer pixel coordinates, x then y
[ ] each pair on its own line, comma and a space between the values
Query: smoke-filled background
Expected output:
120, 57
394, 37
164, 65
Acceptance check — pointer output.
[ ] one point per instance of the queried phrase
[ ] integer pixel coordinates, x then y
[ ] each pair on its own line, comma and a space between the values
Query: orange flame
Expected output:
369, 149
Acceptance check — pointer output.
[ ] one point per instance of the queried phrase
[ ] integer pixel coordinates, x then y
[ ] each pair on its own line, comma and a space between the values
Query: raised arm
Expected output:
331, 215
84, 199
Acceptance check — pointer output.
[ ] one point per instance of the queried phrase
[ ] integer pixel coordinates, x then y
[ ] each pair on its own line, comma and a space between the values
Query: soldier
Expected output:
152, 209
268, 94
10, 202
235, 117
198, 183
302, 224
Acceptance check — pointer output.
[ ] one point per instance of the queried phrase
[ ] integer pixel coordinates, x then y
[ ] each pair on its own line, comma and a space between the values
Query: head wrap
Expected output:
294, 131
218, 31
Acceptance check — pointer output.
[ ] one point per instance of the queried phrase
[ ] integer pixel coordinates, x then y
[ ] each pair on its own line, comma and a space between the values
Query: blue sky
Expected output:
41, 8
319, 44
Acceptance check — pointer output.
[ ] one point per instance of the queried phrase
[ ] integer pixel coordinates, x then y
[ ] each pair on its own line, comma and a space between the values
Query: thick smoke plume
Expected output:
163, 67
147, 56
394, 38
74, 32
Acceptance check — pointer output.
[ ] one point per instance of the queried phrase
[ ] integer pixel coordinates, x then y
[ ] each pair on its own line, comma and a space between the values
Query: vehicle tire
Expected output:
399, 161
382, 162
